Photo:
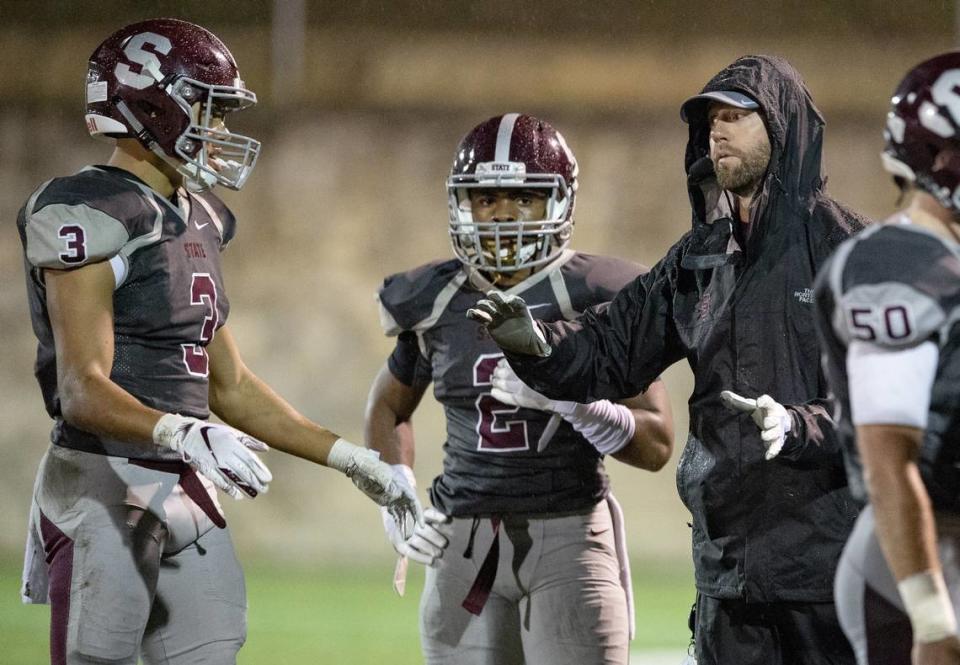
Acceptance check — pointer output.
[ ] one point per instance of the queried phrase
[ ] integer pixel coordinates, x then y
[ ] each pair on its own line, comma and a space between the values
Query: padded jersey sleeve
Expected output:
414, 300
71, 222
895, 289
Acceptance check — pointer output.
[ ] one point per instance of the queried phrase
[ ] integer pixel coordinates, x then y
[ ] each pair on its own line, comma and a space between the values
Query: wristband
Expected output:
342, 454
165, 431
928, 605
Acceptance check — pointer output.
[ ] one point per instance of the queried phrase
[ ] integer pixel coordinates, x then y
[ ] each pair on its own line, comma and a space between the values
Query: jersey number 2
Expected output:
495, 432
203, 292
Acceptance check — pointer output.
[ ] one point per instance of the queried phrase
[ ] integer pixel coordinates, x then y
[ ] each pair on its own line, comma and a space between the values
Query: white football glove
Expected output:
509, 323
769, 415
509, 389
428, 539
221, 453
375, 479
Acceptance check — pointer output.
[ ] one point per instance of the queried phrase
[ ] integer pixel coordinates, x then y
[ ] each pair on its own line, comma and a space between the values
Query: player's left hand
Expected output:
376, 479
769, 415
509, 389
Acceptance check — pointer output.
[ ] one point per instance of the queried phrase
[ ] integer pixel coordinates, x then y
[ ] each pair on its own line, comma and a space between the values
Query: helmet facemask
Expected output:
508, 246
208, 152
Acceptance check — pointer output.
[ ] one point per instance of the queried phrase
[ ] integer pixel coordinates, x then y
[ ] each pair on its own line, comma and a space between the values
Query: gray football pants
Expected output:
556, 599
868, 603
135, 568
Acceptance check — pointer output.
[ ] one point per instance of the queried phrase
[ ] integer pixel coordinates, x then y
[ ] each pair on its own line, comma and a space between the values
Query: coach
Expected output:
762, 476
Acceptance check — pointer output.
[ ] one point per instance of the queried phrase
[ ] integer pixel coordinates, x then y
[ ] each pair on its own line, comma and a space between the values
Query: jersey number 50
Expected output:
495, 433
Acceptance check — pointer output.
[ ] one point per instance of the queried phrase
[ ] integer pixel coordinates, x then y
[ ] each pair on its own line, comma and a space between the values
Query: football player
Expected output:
127, 539
524, 541
888, 304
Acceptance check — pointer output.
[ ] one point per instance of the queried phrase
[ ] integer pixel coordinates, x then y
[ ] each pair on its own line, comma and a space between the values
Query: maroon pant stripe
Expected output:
191, 484
480, 591
59, 557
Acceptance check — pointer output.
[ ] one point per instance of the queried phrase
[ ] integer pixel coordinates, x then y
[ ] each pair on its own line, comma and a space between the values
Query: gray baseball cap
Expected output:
697, 103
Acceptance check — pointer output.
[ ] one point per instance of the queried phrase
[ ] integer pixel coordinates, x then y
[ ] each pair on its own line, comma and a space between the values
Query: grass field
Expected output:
348, 615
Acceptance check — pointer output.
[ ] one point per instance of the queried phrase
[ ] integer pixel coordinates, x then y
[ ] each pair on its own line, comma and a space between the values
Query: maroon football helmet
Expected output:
923, 130
512, 151
169, 83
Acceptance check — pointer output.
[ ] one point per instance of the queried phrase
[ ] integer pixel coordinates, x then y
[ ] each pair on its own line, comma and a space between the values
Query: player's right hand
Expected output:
941, 652
221, 453
509, 389
509, 323
375, 479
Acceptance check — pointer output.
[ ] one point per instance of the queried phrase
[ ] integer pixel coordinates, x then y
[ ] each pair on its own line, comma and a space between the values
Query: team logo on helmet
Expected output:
922, 131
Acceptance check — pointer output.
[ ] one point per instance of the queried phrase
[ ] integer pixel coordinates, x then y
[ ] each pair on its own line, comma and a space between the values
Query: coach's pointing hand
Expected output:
509, 323
769, 415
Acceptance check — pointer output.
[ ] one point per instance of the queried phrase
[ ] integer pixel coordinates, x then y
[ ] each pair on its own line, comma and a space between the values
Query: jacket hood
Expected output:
794, 125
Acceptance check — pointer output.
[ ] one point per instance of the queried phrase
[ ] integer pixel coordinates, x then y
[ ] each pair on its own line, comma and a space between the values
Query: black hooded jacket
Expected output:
743, 318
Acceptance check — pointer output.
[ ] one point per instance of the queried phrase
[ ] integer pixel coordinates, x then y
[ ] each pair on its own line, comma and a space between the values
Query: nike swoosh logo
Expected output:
543, 304
200, 226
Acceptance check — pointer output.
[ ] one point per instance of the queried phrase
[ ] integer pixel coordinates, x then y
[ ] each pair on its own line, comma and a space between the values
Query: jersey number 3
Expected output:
203, 292
495, 432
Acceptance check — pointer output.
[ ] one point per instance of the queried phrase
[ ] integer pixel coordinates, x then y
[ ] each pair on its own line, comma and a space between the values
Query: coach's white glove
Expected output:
509, 389
221, 453
769, 415
376, 480
509, 323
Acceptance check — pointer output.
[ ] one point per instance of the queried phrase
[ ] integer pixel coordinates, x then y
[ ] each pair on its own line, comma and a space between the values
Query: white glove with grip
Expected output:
428, 541
399, 532
769, 415
509, 389
375, 479
221, 453
509, 323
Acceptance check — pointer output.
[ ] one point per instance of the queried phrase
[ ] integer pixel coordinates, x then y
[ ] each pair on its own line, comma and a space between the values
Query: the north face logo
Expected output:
805, 296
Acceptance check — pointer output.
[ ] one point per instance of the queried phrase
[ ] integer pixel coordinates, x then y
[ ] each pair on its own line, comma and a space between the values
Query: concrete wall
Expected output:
350, 188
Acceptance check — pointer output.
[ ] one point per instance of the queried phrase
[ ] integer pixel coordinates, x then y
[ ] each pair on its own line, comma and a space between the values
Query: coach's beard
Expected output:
744, 178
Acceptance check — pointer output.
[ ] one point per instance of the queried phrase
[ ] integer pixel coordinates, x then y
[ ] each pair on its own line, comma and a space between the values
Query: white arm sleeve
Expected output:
891, 386
608, 427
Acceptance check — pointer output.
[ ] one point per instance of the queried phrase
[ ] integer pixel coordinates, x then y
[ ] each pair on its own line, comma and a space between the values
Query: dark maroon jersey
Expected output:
169, 298
491, 464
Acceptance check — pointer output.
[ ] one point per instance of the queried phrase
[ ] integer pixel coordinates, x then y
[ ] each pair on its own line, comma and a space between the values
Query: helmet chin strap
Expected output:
196, 182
